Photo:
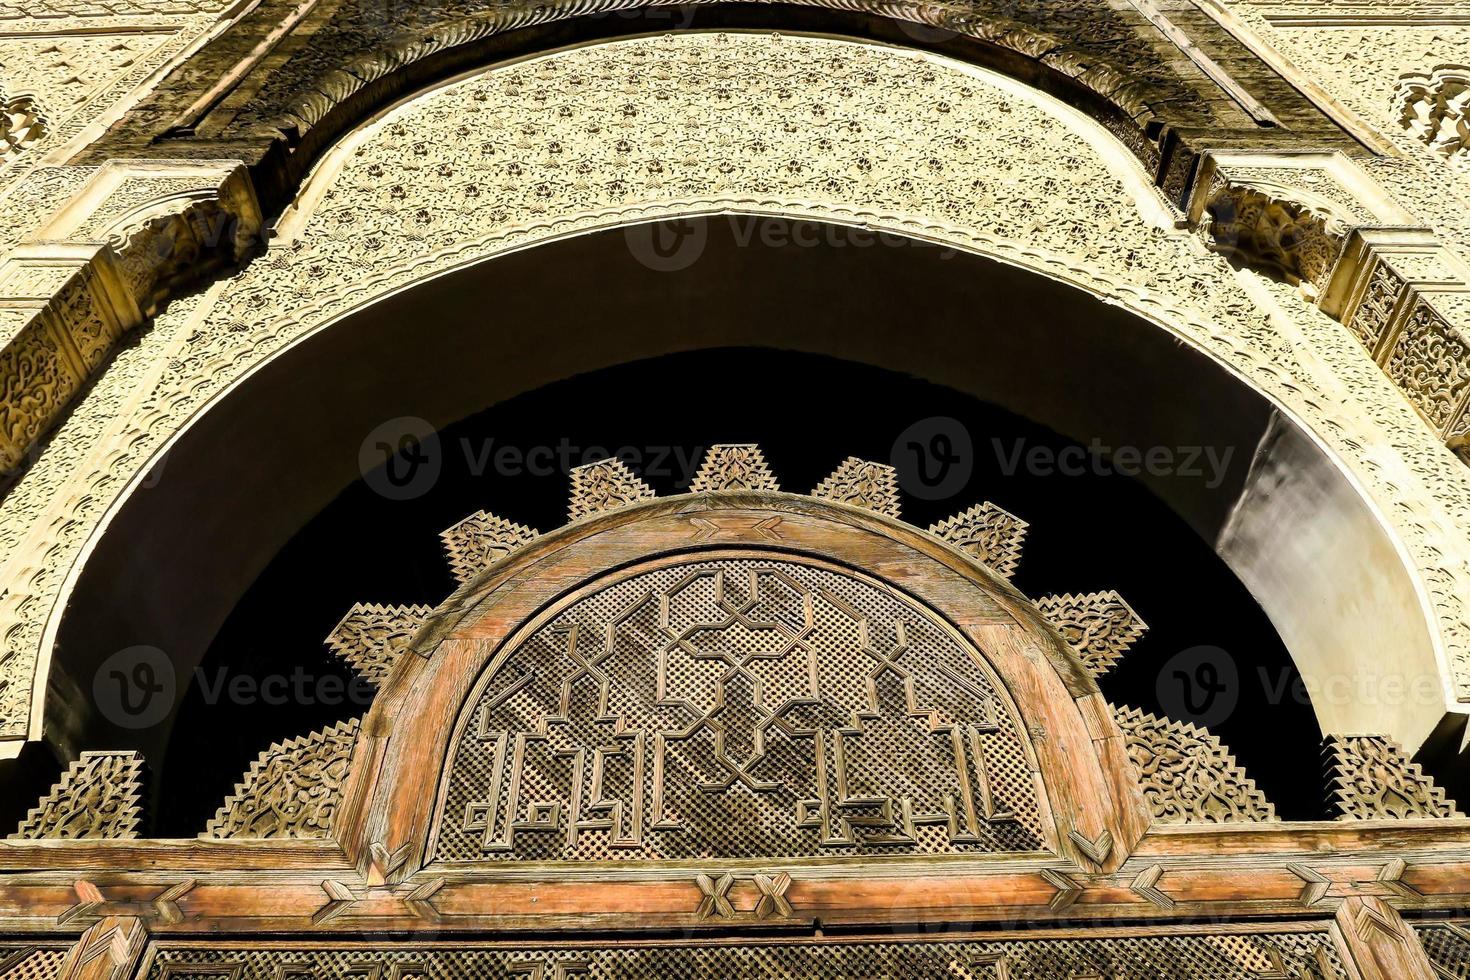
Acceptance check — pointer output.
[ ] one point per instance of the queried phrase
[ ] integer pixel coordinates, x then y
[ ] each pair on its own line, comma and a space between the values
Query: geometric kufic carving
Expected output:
742, 708
21, 123
1187, 775
479, 541
862, 484
605, 485
370, 637
1099, 626
97, 798
1435, 108
988, 534
734, 466
1370, 777
292, 790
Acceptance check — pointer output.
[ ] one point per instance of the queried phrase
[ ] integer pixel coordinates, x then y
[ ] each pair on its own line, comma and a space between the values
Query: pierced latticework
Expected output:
605, 485
28, 961
370, 637
862, 484
1187, 775
479, 541
1100, 626
734, 467
1371, 778
1447, 945
739, 708
97, 798
292, 790
1216, 956
992, 536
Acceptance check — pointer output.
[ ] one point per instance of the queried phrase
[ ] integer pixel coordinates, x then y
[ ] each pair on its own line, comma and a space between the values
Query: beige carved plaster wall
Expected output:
644, 128
83, 62
1356, 54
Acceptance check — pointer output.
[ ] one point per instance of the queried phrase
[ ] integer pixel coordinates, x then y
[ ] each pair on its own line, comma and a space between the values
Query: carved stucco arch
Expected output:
330, 106
1100, 208
395, 800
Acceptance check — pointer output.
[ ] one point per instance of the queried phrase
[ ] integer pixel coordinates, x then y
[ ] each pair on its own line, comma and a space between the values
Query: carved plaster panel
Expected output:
1435, 107
538, 149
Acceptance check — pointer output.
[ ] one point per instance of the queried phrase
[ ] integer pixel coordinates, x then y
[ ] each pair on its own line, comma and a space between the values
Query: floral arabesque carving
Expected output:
22, 123
1371, 778
605, 485
97, 798
292, 790
1100, 626
479, 541
1187, 776
734, 467
1435, 108
371, 637
987, 533
873, 486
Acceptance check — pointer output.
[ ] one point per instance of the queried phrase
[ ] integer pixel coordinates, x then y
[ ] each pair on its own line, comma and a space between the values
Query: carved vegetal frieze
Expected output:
292, 790
1100, 626
987, 533
734, 467
466, 172
1187, 775
872, 486
480, 540
97, 798
371, 637
1435, 108
1371, 778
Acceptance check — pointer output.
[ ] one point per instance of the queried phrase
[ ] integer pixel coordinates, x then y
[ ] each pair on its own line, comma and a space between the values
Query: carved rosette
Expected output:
1435, 108
292, 790
97, 798
371, 637
1100, 626
1187, 775
1371, 778
988, 534
734, 467
861, 483
479, 541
